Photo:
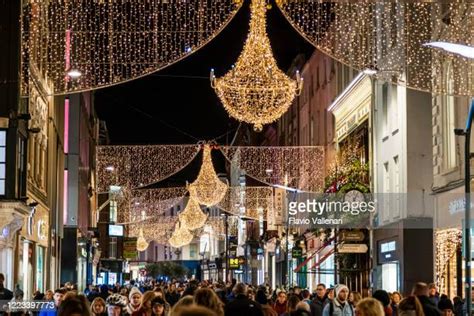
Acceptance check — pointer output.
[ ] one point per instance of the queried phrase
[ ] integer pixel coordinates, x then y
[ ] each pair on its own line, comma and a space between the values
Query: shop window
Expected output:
390, 277
113, 247
3, 159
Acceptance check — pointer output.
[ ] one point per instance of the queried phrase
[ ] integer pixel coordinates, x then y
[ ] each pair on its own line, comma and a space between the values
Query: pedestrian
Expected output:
369, 307
183, 301
172, 295
339, 306
98, 307
48, 296
421, 291
74, 305
410, 306
134, 300
293, 301
354, 298
268, 310
208, 298
446, 306
58, 297
458, 305
433, 294
281, 304
116, 304
145, 307
383, 297
158, 307
302, 309
396, 298
5, 294
320, 298
261, 297
242, 305
194, 310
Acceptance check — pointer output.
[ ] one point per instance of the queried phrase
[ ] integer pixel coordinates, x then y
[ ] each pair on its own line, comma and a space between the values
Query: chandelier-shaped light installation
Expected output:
388, 37
142, 244
207, 189
180, 237
255, 90
192, 217
89, 44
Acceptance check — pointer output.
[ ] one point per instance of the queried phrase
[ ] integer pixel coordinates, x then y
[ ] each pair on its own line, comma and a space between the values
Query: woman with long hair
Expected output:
145, 307
369, 307
184, 301
208, 298
410, 306
98, 307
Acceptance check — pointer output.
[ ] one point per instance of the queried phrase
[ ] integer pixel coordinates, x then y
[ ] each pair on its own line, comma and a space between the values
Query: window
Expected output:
113, 211
396, 186
385, 109
386, 190
449, 122
113, 247
3, 160
394, 107
21, 172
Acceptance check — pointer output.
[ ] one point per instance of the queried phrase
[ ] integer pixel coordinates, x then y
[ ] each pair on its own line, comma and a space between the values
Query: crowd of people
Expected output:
194, 298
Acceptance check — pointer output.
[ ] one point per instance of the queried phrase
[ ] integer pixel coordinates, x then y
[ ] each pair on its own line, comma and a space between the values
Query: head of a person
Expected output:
2, 278
98, 306
58, 296
281, 298
330, 293
74, 305
115, 304
146, 300
341, 293
183, 301
446, 307
303, 306
297, 290
158, 306
240, 289
354, 297
48, 295
293, 301
104, 288
420, 289
410, 306
382, 296
432, 289
321, 290
268, 311
369, 307
135, 297
396, 298
261, 297
208, 298
194, 310
305, 294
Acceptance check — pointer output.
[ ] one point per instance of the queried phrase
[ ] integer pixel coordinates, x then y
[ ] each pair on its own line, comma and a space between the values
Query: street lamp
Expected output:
468, 52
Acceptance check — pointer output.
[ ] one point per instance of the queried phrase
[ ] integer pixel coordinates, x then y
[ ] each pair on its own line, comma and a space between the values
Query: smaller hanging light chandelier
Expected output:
255, 90
207, 189
192, 217
142, 244
180, 237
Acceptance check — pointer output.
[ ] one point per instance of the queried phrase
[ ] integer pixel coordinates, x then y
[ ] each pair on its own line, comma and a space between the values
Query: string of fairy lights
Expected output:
447, 243
389, 36
255, 90
109, 41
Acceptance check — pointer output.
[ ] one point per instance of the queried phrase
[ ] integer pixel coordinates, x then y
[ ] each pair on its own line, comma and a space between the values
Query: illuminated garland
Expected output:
387, 36
207, 189
142, 244
138, 166
447, 242
112, 41
180, 237
299, 167
192, 217
248, 201
256, 91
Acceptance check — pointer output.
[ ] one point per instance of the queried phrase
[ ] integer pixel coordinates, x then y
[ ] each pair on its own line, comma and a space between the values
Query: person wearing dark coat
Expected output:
321, 299
421, 291
242, 305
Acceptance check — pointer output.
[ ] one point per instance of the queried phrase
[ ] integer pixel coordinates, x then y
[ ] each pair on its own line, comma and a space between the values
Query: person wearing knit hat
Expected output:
339, 306
135, 299
446, 306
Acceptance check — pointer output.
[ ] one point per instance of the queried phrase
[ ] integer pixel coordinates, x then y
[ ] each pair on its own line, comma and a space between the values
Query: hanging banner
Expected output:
130, 248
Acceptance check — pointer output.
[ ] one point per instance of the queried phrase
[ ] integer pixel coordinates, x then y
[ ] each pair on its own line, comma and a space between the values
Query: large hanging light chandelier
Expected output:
255, 90
207, 189
192, 217
142, 244
180, 237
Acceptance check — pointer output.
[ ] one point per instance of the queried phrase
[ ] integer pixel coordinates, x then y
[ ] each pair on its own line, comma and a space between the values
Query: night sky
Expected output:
177, 104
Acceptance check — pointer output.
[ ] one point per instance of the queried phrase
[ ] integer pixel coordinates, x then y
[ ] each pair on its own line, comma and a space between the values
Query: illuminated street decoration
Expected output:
388, 37
299, 167
256, 91
84, 45
447, 242
192, 217
180, 237
142, 244
139, 166
207, 189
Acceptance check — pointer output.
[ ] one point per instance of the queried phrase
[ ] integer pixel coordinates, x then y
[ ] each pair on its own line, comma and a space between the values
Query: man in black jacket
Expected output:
242, 305
421, 291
